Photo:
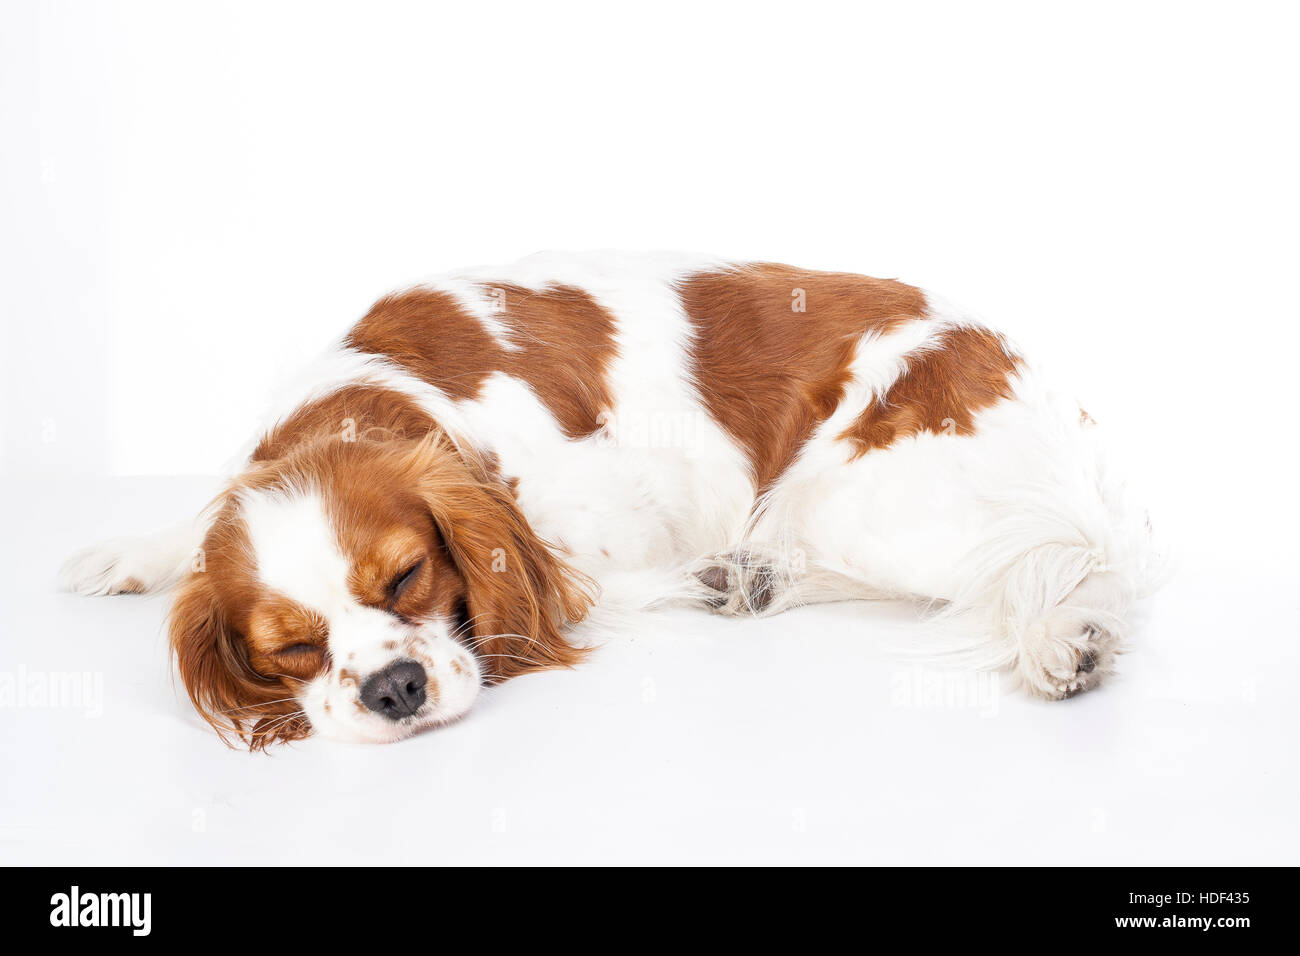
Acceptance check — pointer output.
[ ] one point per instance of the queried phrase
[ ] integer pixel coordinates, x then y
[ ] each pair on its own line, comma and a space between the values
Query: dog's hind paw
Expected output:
744, 581
1064, 654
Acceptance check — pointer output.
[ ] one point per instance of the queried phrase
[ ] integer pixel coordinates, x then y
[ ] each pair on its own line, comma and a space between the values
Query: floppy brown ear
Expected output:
521, 596
212, 659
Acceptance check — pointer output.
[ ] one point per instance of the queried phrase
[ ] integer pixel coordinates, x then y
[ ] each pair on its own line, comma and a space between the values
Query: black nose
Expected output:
395, 692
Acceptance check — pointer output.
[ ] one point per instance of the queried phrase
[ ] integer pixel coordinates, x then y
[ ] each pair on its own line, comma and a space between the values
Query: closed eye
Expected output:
403, 580
299, 650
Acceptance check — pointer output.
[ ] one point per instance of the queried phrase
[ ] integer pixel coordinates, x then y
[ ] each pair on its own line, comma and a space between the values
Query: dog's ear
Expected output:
212, 659
521, 596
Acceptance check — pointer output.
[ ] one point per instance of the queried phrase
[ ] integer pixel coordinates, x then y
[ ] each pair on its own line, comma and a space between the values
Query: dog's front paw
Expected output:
100, 570
119, 566
1064, 653
135, 565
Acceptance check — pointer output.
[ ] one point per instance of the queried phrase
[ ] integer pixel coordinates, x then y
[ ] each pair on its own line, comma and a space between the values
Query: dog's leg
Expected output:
135, 565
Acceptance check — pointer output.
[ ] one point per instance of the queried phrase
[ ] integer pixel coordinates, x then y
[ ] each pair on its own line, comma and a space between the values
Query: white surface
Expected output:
696, 739
198, 196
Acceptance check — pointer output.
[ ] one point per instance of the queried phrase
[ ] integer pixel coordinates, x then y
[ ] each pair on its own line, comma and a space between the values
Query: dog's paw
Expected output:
135, 565
112, 567
1067, 652
744, 581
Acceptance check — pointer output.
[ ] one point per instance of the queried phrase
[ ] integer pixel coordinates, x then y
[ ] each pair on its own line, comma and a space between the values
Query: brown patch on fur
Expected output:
769, 374
565, 344
1085, 418
431, 685
428, 333
352, 413
132, 586
962, 372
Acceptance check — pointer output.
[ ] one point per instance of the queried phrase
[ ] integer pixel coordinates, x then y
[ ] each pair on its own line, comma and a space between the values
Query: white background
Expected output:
197, 197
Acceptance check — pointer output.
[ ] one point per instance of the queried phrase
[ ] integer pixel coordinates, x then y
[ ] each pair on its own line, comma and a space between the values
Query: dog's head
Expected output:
366, 590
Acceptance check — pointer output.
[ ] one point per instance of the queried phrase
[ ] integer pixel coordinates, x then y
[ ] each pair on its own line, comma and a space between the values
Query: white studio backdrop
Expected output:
199, 196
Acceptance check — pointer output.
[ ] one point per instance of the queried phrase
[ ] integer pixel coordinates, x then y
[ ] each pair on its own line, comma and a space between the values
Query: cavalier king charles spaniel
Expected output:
483, 459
